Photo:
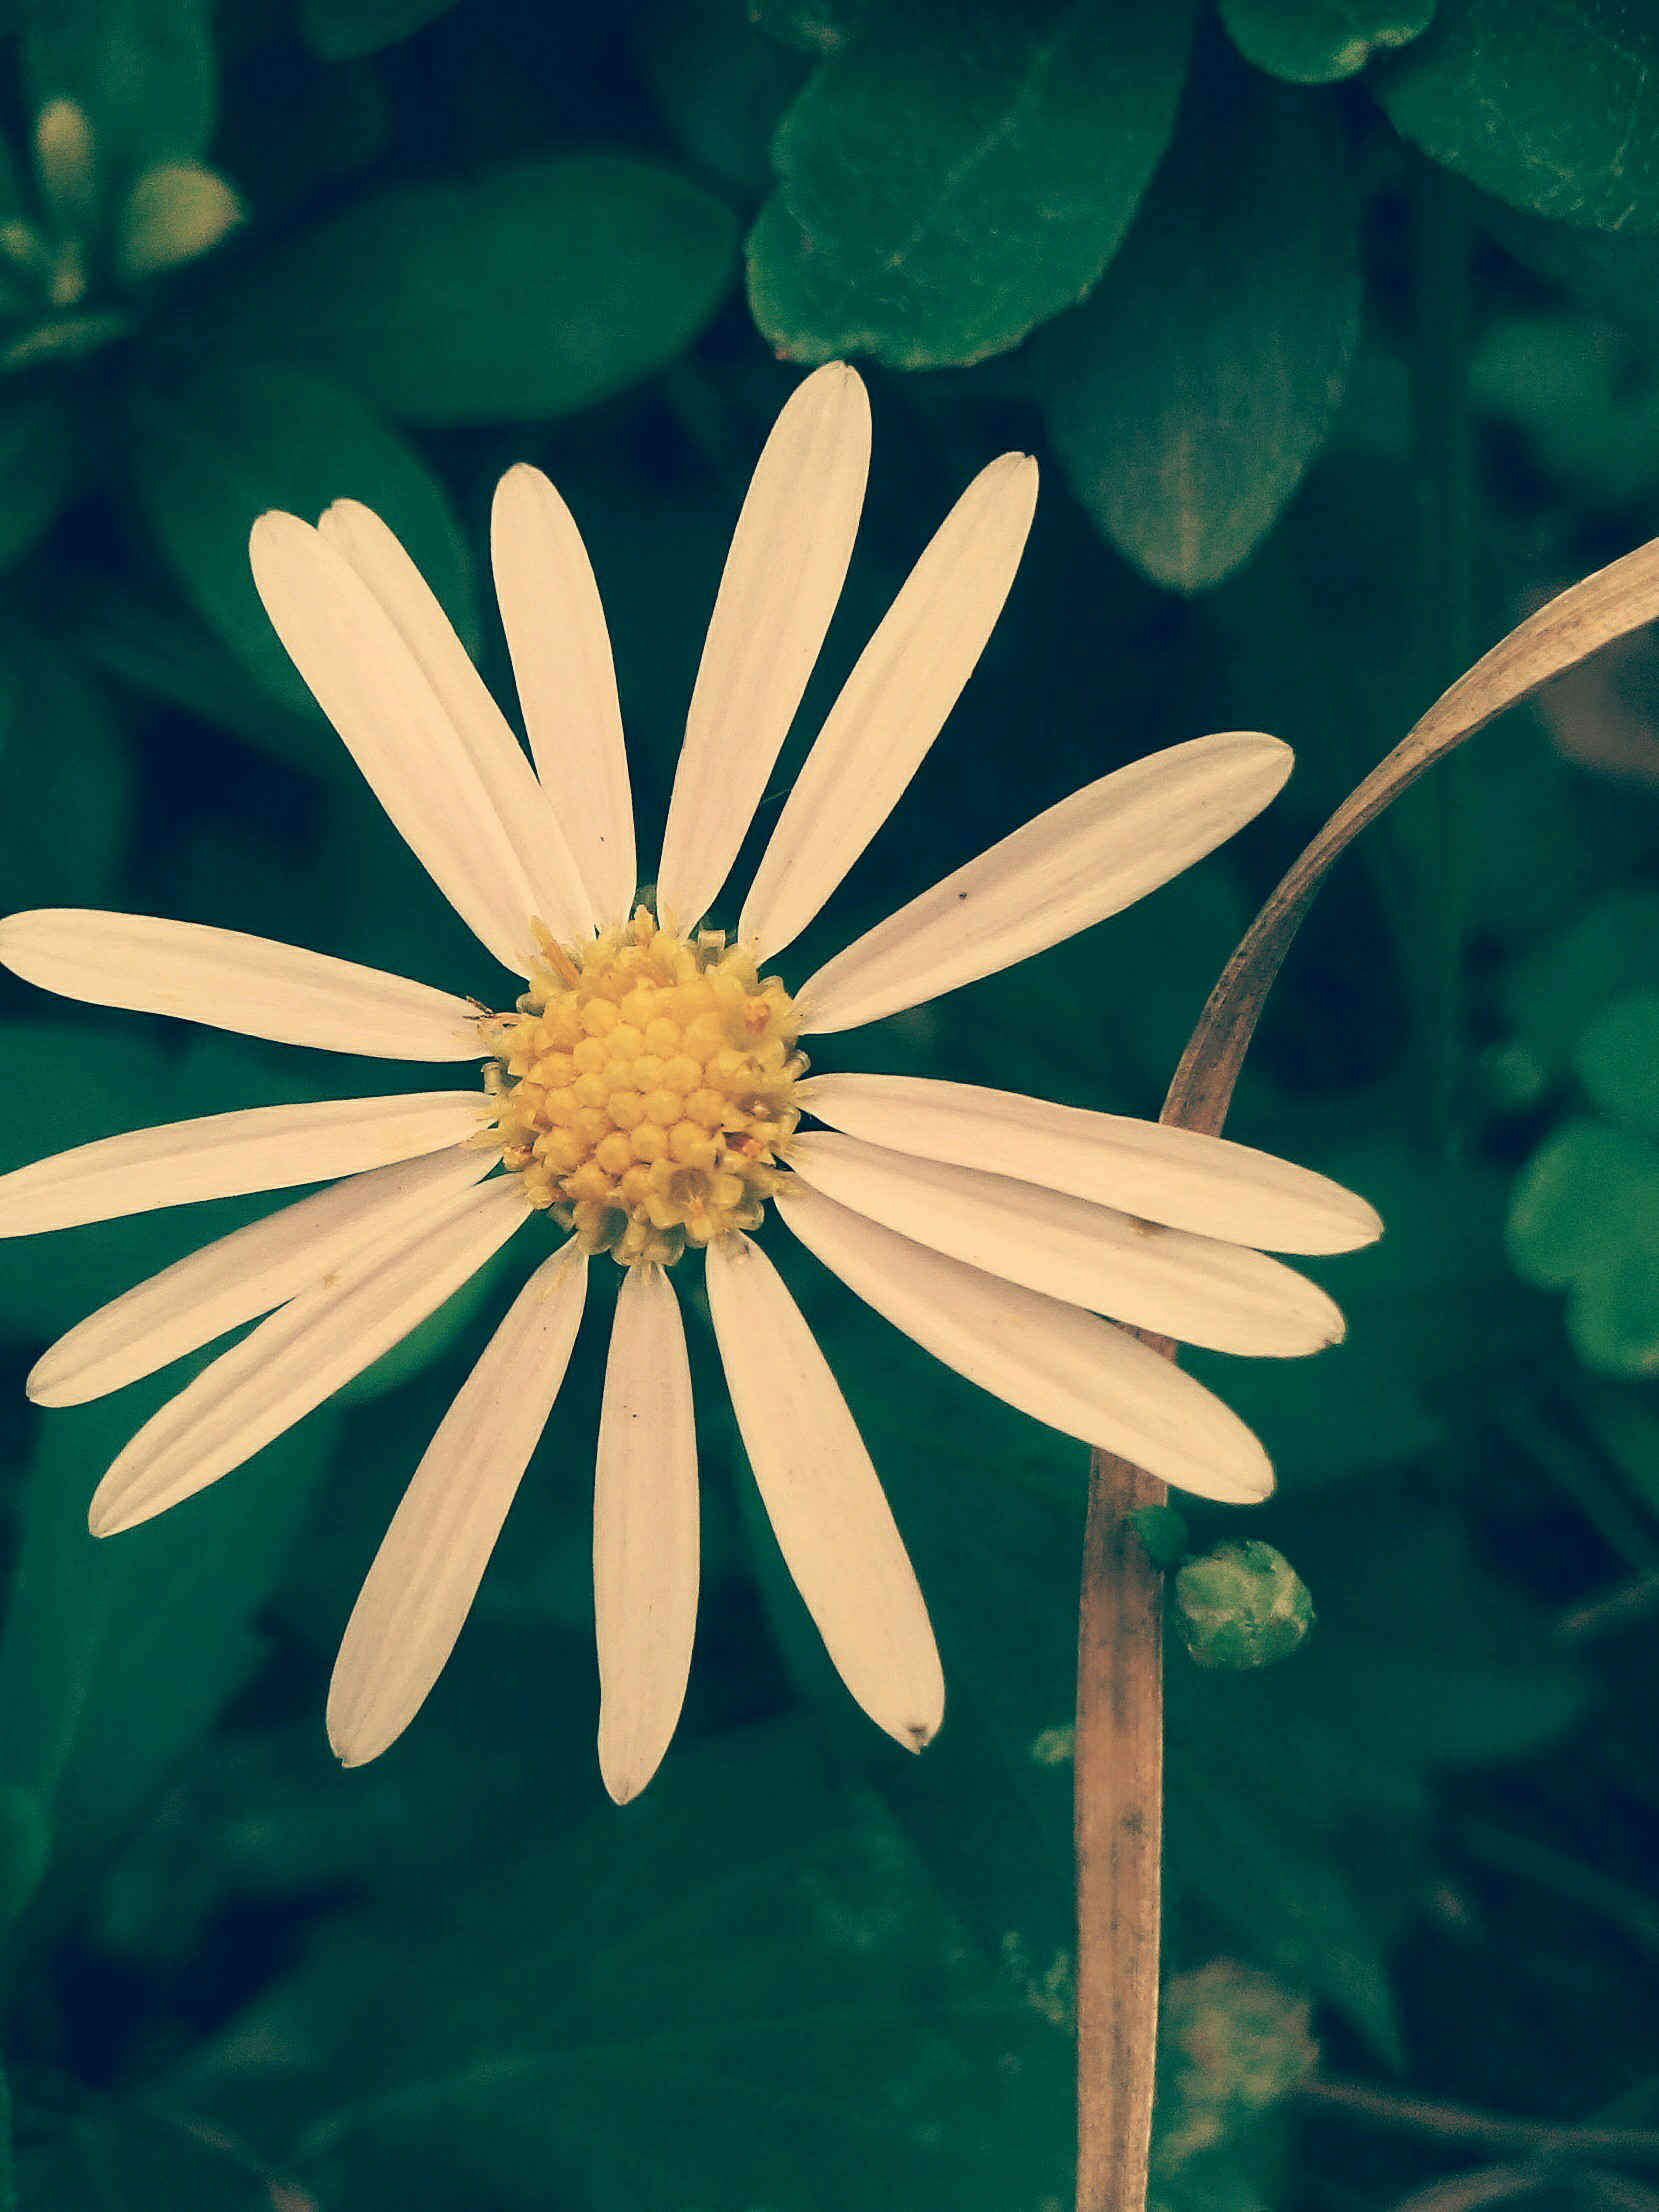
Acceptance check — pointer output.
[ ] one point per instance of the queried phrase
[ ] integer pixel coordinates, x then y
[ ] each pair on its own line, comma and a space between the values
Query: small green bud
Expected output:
1163, 1534
1243, 1605
173, 214
66, 157
66, 286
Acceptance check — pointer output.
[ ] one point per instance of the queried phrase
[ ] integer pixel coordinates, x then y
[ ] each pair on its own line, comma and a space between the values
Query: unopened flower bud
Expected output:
66, 158
1243, 1605
1163, 1534
173, 214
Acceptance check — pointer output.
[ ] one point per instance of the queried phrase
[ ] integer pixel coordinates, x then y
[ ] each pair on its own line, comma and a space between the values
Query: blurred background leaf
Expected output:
541, 289
1193, 389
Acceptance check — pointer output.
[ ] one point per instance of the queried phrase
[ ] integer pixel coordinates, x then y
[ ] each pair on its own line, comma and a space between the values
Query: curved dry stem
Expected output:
1605, 606
1119, 1753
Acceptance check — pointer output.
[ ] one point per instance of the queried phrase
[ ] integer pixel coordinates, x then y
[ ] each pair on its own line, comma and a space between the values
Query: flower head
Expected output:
645, 1094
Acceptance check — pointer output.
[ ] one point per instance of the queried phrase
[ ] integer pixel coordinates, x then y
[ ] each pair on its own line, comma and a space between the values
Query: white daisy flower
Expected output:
647, 1094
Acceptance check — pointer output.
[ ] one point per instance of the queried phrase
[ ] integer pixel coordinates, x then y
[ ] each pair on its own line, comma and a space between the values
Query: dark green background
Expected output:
1334, 330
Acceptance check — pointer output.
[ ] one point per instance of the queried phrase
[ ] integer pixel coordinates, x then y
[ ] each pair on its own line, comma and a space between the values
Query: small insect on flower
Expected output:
645, 1094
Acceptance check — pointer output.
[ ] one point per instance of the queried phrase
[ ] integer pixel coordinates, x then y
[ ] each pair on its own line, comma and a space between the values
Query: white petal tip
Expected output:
1277, 758
272, 527
38, 1385
916, 1735
1367, 1228
624, 1783
354, 1752
43, 1389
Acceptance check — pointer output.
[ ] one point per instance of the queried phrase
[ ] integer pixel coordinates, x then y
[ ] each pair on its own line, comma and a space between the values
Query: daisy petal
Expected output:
1167, 1280
427, 1571
1090, 856
314, 1346
410, 605
239, 1277
894, 703
1058, 1364
645, 1555
783, 576
1175, 1176
561, 654
230, 981
378, 697
823, 1497
228, 1155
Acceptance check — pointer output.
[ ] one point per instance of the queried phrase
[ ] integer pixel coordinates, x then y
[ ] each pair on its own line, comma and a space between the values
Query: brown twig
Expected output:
1433, 2120
1119, 1762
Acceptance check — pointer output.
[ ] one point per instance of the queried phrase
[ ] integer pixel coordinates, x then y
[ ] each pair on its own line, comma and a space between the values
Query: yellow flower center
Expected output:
646, 1089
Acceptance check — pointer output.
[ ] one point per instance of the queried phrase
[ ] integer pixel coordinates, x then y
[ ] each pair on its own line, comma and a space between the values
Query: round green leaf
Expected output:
1189, 394
1581, 1201
1552, 105
1618, 1061
961, 173
1319, 41
536, 291
1613, 1314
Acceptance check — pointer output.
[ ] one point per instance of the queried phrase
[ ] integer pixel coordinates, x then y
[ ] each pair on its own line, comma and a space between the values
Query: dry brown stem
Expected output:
1119, 1762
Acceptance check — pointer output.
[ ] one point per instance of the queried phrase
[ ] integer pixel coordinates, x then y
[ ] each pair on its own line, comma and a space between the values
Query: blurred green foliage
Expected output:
1305, 306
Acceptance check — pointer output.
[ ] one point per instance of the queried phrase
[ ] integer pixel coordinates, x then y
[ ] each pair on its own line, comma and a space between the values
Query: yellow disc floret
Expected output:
645, 1089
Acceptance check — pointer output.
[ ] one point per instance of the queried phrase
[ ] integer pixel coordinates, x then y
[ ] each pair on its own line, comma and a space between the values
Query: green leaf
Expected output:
1552, 105
1188, 396
1616, 273
1618, 1062
142, 71
214, 446
536, 291
1585, 1194
1585, 1218
961, 173
721, 87
340, 30
811, 26
117, 1655
1320, 41
757, 2000
1613, 1313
